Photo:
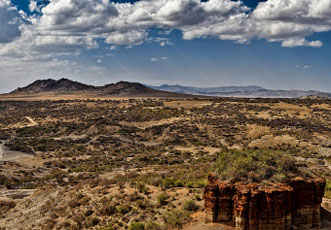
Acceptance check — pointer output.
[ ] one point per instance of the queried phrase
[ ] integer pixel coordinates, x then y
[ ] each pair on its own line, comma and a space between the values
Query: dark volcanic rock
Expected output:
65, 86
124, 87
277, 207
50, 85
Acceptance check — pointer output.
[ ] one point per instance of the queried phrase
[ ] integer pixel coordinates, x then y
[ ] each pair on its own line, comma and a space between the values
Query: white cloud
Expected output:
69, 26
155, 59
301, 42
133, 37
161, 41
287, 21
304, 66
33, 6
77, 16
10, 20
291, 21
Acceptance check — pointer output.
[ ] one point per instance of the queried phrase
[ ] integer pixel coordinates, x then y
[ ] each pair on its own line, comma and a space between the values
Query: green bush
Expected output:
190, 205
106, 228
175, 218
142, 188
179, 183
162, 199
137, 226
123, 209
168, 182
255, 166
152, 226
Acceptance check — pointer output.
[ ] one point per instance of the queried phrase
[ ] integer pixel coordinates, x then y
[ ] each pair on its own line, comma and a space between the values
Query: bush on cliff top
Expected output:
255, 166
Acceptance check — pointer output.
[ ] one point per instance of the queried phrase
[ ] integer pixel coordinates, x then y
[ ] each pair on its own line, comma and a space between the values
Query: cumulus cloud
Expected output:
301, 42
287, 21
10, 20
72, 25
132, 37
77, 16
291, 21
33, 6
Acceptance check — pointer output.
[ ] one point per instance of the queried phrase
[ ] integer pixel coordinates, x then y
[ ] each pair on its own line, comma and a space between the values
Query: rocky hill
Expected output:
59, 86
66, 86
124, 87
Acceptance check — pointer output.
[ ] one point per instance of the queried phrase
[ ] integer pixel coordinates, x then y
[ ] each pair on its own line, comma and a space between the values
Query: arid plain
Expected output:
123, 163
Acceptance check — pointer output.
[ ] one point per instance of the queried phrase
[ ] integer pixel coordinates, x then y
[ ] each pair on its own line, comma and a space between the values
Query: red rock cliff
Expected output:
276, 207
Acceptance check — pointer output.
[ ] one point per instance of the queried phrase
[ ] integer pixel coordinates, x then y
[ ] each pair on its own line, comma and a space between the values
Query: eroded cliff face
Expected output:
256, 207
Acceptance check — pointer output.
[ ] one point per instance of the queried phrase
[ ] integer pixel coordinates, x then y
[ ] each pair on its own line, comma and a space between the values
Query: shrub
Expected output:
175, 218
137, 226
123, 209
93, 221
107, 228
162, 199
168, 182
152, 226
142, 188
179, 183
197, 197
107, 210
190, 205
88, 212
78, 200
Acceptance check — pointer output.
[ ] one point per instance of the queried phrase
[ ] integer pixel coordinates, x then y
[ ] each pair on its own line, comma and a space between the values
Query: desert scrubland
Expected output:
143, 163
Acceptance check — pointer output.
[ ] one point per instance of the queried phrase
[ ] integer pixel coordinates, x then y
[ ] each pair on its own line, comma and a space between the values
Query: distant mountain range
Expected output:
123, 88
241, 91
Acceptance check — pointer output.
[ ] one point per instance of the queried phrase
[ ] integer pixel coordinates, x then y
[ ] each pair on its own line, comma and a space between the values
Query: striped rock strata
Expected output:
255, 207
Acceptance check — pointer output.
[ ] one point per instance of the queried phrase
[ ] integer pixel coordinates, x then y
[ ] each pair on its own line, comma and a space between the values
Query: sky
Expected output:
277, 44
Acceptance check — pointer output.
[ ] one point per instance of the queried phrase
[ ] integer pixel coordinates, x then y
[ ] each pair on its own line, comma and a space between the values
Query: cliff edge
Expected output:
281, 206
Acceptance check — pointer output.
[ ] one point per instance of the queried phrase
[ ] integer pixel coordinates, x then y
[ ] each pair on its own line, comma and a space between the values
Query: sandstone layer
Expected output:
294, 205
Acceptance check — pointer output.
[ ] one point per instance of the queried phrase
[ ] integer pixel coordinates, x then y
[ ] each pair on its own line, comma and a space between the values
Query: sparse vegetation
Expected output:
124, 164
256, 166
175, 218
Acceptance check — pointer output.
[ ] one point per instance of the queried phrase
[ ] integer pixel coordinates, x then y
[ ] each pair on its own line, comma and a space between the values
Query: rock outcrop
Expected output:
295, 205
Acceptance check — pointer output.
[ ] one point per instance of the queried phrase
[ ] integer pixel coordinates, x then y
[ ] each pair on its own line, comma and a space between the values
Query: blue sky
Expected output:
191, 43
